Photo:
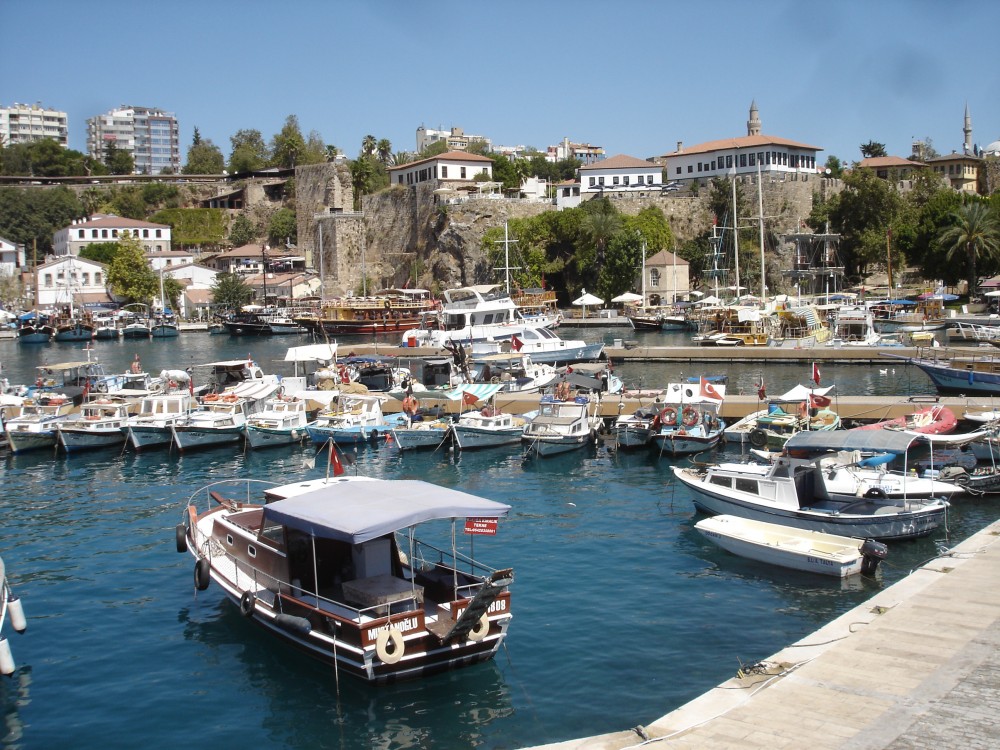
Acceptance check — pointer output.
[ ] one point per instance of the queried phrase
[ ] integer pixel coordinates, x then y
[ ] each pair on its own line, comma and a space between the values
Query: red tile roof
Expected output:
620, 161
877, 162
745, 141
99, 221
665, 258
447, 156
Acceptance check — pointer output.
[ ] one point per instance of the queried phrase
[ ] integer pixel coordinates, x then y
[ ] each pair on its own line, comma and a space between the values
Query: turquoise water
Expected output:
621, 611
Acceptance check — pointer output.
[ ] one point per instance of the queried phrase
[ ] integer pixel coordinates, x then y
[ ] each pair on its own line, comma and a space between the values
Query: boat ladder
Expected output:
487, 594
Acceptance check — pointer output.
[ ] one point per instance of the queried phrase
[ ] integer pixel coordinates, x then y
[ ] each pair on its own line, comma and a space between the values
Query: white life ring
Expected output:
480, 630
382, 648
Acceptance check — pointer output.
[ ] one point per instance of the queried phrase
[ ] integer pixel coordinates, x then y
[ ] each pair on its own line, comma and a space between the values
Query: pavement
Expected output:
916, 667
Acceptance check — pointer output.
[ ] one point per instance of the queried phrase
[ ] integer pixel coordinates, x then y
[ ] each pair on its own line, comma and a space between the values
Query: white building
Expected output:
70, 281
585, 152
620, 172
11, 257
197, 280
169, 259
567, 194
456, 138
453, 166
108, 228
23, 123
151, 136
774, 156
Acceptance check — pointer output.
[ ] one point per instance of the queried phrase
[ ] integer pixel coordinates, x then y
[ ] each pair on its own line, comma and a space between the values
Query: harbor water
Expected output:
622, 611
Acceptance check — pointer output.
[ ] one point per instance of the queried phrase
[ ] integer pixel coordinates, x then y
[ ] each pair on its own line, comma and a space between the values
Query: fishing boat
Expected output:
281, 325
164, 328
73, 330
798, 549
137, 327
907, 316
250, 321
543, 346
854, 325
514, 372
106, 329
220, 420
798, 327
333, 567
418, 433
356, 418
12, 610
689, 419
102, 423
800, 408
635, 430
562, 424
953, 371
797, 497
34, 427
932, 420
385, 311
281, 421
151, 425
34, 328
486, 427
473, 314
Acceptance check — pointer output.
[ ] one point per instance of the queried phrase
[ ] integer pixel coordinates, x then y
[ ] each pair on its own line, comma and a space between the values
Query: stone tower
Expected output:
967, 129
753, 124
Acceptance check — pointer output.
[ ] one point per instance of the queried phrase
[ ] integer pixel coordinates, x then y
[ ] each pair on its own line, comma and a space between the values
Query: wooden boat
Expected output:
102, 423
487, 428
689, 420
332, 566
907, 316
635, 430
932, 420
73, 330
151, 425
955, 372
218, 421
787, 547
561, 425
162, 328
35, 425
795, 410
514, 372
35, 330
418, 433
387, 311
796, 496
357, 418
281, 421
12, 610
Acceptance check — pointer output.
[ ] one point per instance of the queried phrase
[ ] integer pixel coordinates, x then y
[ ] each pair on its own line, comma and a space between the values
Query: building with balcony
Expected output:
584, 152
151, 136
70, 282
108, 228
456, 138
621, 172
24, 123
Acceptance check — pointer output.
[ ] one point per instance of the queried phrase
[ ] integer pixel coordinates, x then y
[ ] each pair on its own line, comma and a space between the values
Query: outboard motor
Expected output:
872, 553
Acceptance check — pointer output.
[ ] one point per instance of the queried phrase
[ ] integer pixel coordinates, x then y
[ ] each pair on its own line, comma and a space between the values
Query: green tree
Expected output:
242, 231
315, 150
384, 150
194, 227
248, 152
368, 145
282, 228
231, 292
288, 145
974, 236
31, 217
600, 224
129, 275
368, 175
622, 265
834, 166
873, 149
435, 149
117, 160
401, 157
653, 226
127, 201
863, 214
102, 252
203, 157
480, 148
331, 153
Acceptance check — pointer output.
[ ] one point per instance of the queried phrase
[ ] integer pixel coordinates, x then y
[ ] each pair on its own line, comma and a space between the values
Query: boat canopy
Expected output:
357, 512
482, 391
802, 393
312, 353
871, 441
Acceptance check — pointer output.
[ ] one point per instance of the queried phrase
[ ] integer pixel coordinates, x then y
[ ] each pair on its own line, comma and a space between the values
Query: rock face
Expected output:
408, 233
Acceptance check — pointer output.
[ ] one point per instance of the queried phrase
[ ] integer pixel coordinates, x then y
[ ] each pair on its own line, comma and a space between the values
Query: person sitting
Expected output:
136, 365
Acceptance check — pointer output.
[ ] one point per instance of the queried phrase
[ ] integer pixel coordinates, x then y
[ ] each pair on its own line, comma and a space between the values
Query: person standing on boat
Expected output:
136, 365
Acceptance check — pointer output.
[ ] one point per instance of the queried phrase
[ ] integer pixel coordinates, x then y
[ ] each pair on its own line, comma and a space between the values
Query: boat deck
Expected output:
913, 667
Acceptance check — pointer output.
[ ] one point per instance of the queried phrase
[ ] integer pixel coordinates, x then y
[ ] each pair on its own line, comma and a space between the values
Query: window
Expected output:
145, 234
721, 481
654, 277
743, 160
760, 157
159, 233
678, 170
593, 181
82, 234
615, 180
729, 162
600, 180
93, 234
444, 172
713, 165
85, 279
104, 234
649, 179
462, 172
97, 278
746, 485
625, 180
47, 280
690, 168
753, 160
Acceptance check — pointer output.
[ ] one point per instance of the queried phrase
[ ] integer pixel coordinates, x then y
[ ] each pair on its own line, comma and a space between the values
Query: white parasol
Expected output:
586, 299
627, 297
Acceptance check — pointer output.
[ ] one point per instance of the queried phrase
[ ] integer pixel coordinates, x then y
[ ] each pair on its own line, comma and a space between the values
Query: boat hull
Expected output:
346, 435
633, 436
471, 438
195, 438
407, 439
74, 440
553, 445
141, 437
164, 332
953, 380
270, 437
22, 441
682, 445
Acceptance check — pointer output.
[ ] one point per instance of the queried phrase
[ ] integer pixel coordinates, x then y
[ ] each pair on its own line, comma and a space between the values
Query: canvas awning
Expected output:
873, 441
359, 511
482, 391
312, 353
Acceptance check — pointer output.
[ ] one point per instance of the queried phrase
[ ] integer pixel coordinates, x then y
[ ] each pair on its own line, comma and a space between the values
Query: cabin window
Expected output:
722, 481
251, 550
746, 485
229, 539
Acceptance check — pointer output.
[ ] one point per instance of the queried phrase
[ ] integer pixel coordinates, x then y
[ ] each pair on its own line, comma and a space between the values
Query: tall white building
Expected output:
23, 123
151, 136
457, 139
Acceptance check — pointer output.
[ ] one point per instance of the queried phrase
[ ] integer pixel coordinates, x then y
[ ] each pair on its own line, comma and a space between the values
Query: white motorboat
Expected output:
543, 346
102, 423
514, 372
488, 426
218, 421
151, 425
561, 426
797, 496
473, 314
688, 421
34, 427
11, 609
332, 566
355, 418
418, 433
635, 430
854, 325
282, 421
788, 547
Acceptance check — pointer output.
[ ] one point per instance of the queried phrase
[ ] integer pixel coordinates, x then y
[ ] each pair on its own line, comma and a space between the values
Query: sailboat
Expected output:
162, 327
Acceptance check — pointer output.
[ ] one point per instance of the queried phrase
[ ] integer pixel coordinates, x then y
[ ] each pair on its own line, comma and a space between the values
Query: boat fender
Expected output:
876, 493
7, 665
872, 553
15, 611
201, 573
248, 603
290, 622
758, 438
480, 629
389, 645
180, 537
690, 416
668, 415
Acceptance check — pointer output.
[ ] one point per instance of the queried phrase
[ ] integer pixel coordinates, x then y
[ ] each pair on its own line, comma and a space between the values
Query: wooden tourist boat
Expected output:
333, 567
486, 427
955, 372
386, 311
787, 547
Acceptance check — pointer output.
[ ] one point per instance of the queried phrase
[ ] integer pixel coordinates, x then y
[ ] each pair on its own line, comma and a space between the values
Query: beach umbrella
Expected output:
586, 299
627, 297
710, 300
993, 294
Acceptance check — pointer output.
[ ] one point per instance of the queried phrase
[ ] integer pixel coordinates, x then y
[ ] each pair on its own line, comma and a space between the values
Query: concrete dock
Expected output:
916, 667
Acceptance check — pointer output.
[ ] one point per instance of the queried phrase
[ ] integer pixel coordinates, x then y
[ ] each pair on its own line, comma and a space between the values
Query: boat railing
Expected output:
457, 566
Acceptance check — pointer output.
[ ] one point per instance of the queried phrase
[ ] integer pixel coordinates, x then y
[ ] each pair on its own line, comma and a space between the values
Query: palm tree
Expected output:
384, 150
598, 227
368, 145
974, 234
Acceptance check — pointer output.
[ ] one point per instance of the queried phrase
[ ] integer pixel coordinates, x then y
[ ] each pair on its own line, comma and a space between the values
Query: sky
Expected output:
632, 77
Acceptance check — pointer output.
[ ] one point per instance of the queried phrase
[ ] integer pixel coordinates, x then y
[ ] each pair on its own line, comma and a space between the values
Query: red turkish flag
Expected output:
516, 343
708, 390
815, 373
338, 468
468, 399
819, 402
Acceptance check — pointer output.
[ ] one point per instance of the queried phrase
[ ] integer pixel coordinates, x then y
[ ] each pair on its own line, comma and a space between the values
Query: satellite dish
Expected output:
828, 170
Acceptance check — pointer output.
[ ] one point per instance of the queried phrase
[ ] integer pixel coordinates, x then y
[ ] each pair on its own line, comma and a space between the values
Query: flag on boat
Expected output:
468, 399
338, 468
516, 343
761, 391
819, 402
815, 373
708, 390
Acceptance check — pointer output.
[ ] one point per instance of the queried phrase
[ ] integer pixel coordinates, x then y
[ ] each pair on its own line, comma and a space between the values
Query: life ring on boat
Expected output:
480, 629
410, 405
875, 493
757, 438
689, 416
668, 415
389, 646
202, 569
210, 397
57, 401
231, 397
248, 603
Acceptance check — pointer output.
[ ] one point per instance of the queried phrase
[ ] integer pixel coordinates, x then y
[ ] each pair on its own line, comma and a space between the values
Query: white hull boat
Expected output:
561, 426
282, 421
787, 547
151, 426
102, 423
419, 435
488, 428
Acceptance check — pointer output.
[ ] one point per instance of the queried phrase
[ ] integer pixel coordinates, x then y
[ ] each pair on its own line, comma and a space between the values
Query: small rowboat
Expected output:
787, 547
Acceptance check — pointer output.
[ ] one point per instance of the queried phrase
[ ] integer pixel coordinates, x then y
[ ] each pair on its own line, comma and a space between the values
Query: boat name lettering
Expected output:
405, 626
499, 606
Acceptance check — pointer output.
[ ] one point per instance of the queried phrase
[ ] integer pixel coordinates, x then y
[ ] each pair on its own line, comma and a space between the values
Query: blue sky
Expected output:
633, 77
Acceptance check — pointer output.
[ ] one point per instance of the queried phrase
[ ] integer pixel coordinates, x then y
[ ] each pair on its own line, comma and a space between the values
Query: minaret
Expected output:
753, 124
967, 130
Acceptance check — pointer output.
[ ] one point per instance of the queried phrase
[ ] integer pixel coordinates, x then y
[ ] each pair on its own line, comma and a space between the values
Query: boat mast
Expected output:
888, 259
644, 273
506, 256
263, 257
736, 237
760, 217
